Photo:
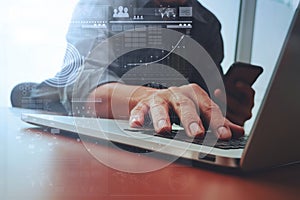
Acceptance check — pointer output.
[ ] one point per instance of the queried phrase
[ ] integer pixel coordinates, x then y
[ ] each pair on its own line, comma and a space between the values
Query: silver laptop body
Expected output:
274, 139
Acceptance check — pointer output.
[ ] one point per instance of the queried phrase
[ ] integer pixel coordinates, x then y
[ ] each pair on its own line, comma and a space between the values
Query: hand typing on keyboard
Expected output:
184, 101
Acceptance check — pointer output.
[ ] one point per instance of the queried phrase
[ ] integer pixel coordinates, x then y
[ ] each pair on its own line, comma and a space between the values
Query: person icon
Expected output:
115, 13
122, 12
125, 12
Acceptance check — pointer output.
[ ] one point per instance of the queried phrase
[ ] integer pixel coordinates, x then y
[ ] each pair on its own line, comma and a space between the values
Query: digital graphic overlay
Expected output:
71, 68
110, 50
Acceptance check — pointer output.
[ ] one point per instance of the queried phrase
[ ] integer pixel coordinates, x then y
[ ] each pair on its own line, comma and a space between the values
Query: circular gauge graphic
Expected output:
71, 68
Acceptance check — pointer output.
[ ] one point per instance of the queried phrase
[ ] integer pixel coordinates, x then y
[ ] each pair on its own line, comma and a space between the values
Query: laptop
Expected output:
273, 140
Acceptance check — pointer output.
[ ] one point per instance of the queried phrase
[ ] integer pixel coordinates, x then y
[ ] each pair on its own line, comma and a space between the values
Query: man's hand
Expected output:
190, 102
185, 101
240, 101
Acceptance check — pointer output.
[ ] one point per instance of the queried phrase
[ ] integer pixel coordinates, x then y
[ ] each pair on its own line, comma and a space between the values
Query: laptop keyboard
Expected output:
238, 143
208, 140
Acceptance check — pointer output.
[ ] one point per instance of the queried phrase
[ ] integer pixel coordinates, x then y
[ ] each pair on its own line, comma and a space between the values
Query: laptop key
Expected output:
208, 140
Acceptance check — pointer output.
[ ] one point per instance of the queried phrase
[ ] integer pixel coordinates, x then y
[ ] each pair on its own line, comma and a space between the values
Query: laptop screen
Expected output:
272, 23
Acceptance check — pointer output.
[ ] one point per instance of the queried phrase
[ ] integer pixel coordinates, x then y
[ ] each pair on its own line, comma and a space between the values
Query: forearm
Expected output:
115, 100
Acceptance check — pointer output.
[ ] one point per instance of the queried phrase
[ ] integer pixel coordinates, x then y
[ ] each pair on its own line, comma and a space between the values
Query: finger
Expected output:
247, 92
242, 92
236, 112
137, 115
210, 111
232, 102
237, 119
221, 96
240, 108
238, 90
221, 99
187, 112
159, 109
237, 131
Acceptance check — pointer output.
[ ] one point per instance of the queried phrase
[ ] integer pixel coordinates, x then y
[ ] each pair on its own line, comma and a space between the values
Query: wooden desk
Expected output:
39, 165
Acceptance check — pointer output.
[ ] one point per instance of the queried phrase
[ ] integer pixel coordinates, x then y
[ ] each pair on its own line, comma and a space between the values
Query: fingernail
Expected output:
162, 123
195, 129
223, 132
135, 120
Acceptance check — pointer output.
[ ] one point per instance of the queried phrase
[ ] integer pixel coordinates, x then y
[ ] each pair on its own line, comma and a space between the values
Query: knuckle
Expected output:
245, 116
173, 88
252, 104
139, 107
159, 108
194, 87
252, 93
248, 115
183, 102
158, 96
188, 117
209, 107
174, 92
157, 102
